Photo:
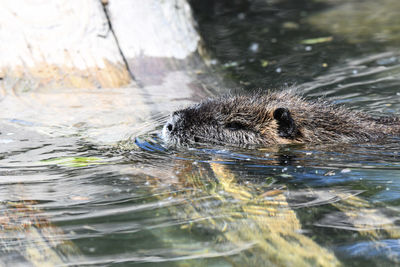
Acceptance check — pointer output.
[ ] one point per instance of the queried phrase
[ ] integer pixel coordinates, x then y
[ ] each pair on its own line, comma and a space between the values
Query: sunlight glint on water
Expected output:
100, 202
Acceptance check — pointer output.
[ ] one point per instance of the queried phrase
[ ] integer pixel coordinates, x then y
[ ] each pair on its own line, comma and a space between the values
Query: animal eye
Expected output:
234, 125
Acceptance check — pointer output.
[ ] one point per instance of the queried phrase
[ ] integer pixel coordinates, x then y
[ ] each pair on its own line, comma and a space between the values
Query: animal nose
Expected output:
170, 127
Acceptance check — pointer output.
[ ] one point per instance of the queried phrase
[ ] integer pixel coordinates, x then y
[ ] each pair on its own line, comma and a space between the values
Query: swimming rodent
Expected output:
273, 118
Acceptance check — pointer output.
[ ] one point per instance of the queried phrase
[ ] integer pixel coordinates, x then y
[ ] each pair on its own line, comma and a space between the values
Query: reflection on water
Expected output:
369, 83
66, 197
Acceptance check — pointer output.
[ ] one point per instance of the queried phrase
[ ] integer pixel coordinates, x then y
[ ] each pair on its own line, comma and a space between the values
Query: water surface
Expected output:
72, 194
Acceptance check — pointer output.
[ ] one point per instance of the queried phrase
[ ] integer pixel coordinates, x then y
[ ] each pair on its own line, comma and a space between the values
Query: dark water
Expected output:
69, 199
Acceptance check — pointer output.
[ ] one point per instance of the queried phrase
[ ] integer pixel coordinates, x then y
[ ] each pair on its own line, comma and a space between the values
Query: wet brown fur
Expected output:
250, 120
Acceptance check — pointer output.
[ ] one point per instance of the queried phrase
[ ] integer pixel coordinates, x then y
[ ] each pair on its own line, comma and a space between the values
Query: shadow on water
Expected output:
70, 194
270, 44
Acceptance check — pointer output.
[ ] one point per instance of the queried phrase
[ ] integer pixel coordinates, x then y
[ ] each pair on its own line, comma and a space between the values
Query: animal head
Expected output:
239, 120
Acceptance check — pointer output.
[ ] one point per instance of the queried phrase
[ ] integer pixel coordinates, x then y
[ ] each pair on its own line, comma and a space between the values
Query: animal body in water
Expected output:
273, 118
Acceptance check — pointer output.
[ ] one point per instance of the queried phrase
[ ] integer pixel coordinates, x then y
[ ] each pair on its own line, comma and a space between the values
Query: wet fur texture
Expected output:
273, 118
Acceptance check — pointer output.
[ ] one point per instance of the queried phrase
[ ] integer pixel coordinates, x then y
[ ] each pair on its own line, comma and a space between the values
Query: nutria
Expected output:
273, 118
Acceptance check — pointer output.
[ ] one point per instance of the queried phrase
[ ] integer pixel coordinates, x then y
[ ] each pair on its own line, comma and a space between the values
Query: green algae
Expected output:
74, 161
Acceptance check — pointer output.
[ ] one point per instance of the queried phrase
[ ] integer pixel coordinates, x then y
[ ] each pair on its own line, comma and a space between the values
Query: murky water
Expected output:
71, 194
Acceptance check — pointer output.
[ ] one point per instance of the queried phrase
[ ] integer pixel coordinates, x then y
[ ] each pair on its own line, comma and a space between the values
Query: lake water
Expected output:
85, 179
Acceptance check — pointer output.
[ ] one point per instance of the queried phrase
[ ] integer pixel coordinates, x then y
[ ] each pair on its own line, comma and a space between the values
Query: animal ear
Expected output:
286, 126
